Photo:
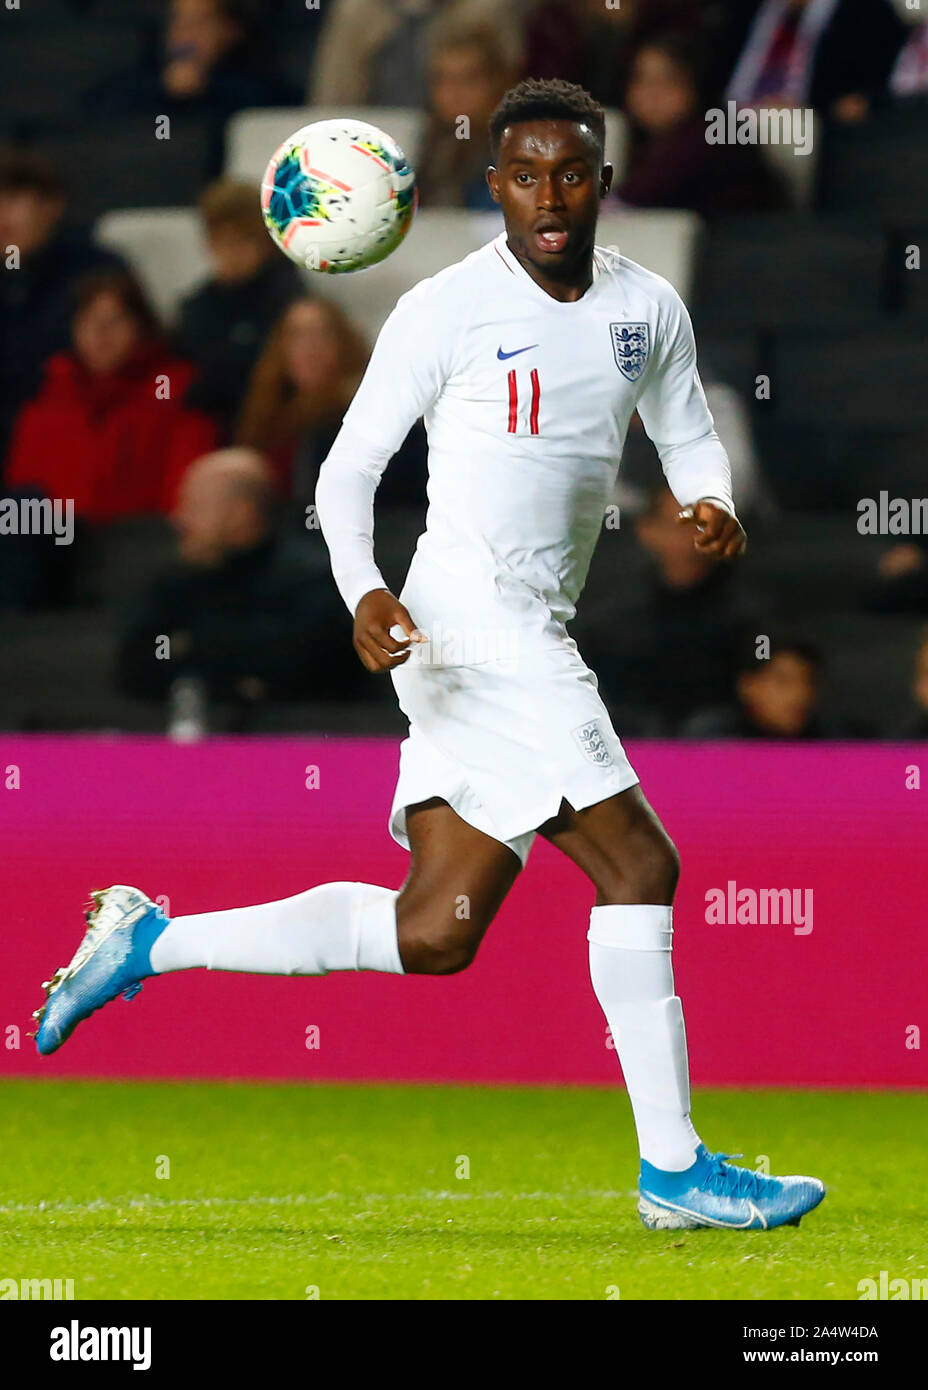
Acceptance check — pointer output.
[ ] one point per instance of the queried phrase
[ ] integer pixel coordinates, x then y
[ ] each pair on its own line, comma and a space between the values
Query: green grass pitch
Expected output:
426, 1192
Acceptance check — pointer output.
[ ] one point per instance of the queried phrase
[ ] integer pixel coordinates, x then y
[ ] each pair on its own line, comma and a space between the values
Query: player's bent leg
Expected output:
334, 926
457, 881
623, 848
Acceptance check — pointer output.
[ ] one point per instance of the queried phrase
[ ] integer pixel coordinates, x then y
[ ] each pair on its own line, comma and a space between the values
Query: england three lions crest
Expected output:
592, 744
631, 343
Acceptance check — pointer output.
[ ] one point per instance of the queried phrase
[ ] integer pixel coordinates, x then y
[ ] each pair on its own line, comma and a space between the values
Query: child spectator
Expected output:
108, 427
35, 295
224, 324
775, 697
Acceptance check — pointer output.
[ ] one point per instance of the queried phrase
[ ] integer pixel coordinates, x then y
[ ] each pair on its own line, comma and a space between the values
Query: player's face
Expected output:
548, 181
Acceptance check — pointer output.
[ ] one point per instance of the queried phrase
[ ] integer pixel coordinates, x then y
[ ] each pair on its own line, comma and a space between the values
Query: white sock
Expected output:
336, 926
633, 980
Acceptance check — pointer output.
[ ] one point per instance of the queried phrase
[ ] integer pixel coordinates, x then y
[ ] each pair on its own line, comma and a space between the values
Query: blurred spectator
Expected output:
211, 62
902, 586
35, 297
224, 324
592, 43
909, 77
776, 697
916, 724
108, 427
640, 462
250, 617
300, 388
468, 75
672, 651
375, 52
670, 163
833, 55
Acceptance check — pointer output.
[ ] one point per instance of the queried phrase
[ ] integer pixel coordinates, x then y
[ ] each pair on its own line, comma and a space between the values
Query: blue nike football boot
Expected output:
715, 1193
113, 958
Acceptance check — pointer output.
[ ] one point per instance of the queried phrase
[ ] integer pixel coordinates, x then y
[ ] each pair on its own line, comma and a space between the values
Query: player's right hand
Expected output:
377, 612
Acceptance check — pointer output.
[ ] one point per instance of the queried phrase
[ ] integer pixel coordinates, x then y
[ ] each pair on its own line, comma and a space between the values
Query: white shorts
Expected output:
504, 742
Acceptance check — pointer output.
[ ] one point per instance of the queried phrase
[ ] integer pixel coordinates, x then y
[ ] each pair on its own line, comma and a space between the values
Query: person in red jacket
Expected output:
108, 427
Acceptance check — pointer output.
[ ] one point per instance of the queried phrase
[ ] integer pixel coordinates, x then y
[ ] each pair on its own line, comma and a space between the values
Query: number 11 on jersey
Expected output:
514, 402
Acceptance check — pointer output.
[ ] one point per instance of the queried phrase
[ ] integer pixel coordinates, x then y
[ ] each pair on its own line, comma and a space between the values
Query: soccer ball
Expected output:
338, 196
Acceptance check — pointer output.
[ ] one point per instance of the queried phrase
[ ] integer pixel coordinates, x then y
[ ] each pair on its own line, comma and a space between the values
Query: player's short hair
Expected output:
227, 203
548, 100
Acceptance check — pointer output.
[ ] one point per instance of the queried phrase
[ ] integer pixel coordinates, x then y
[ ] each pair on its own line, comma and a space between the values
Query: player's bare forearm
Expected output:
376, 614
719, 535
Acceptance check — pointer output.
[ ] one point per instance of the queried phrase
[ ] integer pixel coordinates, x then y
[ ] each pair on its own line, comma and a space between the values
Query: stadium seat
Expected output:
797, 172
829, 466
60, 666
869, 661
616, 143
82, 54
790, 270
735, 358
119, 163
867, 380
910, 283
880, 167
662, 241
253, 136
165, 248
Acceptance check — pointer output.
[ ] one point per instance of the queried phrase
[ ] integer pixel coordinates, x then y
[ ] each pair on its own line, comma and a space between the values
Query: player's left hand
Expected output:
718, 534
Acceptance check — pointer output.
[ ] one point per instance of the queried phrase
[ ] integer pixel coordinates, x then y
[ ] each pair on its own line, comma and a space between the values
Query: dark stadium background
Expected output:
801, 272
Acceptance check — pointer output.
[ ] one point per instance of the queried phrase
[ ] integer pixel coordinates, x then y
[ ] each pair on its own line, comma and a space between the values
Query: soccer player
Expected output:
527, 360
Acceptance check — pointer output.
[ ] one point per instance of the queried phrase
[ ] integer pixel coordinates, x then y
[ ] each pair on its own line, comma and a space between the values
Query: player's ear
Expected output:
605, 180
493, 182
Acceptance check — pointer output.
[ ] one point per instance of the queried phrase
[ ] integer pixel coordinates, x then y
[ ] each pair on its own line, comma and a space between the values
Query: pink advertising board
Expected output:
830, 997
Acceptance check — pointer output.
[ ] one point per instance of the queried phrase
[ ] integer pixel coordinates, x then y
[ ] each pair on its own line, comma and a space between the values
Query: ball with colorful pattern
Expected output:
338, 196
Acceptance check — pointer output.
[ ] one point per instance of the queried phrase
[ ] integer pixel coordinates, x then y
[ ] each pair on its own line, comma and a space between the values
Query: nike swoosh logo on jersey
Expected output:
503, 355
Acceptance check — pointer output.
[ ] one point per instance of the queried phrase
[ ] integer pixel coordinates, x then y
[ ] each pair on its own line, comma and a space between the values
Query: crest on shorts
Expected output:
590, 738
631, 343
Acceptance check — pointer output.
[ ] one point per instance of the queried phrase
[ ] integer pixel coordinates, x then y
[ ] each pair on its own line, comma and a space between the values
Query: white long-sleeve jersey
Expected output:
526, 402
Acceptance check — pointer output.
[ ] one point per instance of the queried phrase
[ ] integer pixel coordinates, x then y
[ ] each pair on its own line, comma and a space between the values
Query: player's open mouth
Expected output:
550, 238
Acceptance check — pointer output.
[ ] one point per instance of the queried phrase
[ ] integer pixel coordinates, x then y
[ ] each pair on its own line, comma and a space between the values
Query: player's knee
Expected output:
662, 863
438, 953
656, 868
647, 870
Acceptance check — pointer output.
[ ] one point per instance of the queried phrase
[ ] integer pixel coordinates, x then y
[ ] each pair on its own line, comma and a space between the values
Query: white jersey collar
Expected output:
513, 264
